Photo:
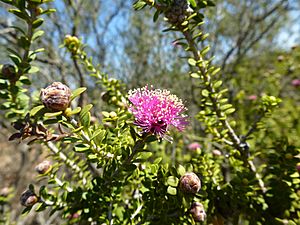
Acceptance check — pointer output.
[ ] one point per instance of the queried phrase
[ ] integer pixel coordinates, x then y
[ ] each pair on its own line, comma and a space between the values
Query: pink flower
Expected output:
194, 146
296, 82
155, 110
252, 97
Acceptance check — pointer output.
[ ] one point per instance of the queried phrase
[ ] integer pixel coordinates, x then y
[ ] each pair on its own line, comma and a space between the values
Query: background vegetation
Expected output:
256, 47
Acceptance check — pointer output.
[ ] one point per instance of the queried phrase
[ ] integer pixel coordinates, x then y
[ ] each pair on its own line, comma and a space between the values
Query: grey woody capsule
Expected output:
28, 198
56, 97
8, 71
190, 183
197, 211
43, 167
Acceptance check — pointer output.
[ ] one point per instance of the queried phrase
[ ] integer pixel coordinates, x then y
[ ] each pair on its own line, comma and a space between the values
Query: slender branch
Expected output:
67, 161
203, 69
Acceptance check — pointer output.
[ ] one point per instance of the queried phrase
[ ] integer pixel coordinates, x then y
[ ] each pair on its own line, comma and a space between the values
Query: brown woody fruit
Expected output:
190, 183
28, 198
197, 211
8, 72
56, 97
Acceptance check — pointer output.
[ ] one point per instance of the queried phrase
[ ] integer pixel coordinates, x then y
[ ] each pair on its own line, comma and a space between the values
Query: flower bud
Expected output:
197, 211
252, 97
56, 97
43, 167
4, 192
280, 58
216, 152
296, 82
298, 167
8, 72
194, 146
28, 198
72, 43
190, 183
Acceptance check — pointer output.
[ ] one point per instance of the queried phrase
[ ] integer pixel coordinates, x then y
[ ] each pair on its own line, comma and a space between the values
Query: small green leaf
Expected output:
205, 93
172, 181
229, 111
25, 80
195, 75
181, 170
86, 109
156, 15
81, 148
37, 34
36, 109
217, 84
193, 3
172, 190
21, 14
145, 155
105, 114
53, 114
38, 22
74, 111
17, 60
192, 61
77, 92
33, 69
99, 134
48, 11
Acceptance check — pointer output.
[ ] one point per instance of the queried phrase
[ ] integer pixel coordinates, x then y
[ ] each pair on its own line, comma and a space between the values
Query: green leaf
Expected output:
23, 42
195, 75
205, 93
145, 155
24, 80
21, 14
192, 62
172, 181
85, 115
86, 109
181, 170
193, 3
217, 84
13, 52
172, 190
229, 111
204, 51
48, 11
77, 92
99, 134
33, 69
139, 5
37, 34
81, 148
156, 15
36, 109
74, 111
227, 106
53, 114
38, 22
15, 59
36, 51
7, 1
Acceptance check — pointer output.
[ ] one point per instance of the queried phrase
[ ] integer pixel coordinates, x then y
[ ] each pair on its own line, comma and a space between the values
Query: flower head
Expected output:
155, 110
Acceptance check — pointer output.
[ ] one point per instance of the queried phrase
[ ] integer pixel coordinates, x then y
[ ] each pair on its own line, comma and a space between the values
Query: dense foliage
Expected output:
136, 157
